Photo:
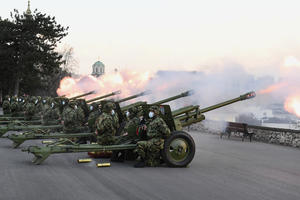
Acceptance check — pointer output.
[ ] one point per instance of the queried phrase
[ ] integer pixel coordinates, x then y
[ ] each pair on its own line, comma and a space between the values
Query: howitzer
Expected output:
134, 96
23, 122
104, 96
13, 127
178, 149
18, 114
140, 103
192, 114
81, 95
42, 153
18, 118
184, 94
18, 139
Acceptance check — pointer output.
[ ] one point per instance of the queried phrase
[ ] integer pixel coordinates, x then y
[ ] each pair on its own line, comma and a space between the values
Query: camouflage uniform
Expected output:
81, 113
115, 118
94, 114
39, 105
82, 104
131, 126
29, 109
128, 134
157, 131
50, 112
105, 126
21, 103
6, 105
70, 117
14, 106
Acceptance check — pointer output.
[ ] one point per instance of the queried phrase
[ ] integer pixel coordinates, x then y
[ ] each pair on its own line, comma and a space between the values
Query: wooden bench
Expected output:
234, 127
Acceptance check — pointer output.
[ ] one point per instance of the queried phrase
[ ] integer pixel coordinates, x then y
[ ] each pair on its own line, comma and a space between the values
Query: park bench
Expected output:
234, 127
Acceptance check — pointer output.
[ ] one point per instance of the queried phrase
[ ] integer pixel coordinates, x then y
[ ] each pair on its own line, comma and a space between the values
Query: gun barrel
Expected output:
104, 96
134, 96
246, 96
82, 95
184, 110
184, 94
139, 103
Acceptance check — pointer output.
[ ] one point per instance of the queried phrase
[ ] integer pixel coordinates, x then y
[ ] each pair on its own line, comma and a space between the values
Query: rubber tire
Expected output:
191, 144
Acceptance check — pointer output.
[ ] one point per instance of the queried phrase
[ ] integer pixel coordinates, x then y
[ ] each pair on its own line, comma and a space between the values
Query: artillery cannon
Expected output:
34, 135
82, 95
21, 138
192, 114
21, 116
13, 127
104, 96
134, 96
23, 122
169, 99
36, 132
178, 150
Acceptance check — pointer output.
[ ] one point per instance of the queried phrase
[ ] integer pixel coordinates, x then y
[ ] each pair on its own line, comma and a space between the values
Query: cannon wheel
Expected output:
179, 149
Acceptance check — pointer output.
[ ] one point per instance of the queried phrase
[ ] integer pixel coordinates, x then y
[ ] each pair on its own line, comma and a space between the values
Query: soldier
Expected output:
21, 104
6, 105
115, 117
39, 105
133, 122
81, 111
29, 109
128, 134
94, 113
14, 106
105, 126
50, 112
157, 131
72, 118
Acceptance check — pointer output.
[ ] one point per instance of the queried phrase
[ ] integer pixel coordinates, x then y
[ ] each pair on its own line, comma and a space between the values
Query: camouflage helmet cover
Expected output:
133, 110
108, 107
155, 109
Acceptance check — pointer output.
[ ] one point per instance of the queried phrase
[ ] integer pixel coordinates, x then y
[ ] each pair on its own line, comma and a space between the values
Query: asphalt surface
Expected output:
221, 169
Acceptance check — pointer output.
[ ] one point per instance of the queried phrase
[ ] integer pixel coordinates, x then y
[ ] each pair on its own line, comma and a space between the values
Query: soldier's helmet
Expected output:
20, 99
155, 109
64, 101
39, 98
108, 107
81, 103
34, 100
133, 111
49, 100
44, 100
14, 98
72, 104
6, 97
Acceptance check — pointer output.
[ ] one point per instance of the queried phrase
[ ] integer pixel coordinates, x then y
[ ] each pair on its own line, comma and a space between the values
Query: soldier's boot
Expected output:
118, 156
141, 162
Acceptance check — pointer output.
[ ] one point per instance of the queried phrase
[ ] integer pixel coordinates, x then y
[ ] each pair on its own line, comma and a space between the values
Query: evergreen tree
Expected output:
28, 51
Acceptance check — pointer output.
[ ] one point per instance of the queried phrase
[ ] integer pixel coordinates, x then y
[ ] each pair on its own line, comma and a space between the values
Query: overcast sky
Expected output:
175, 35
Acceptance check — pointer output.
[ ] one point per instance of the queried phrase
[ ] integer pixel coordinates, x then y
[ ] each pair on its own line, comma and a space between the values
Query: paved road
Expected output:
221, 169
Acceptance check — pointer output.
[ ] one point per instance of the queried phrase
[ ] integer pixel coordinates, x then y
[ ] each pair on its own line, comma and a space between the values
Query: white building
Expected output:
98, 69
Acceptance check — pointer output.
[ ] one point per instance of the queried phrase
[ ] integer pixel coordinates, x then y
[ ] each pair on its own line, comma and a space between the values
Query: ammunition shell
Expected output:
103, 165
86, 160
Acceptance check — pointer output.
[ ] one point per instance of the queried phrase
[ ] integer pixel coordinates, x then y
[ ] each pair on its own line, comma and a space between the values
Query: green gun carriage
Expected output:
179, 148
37, 134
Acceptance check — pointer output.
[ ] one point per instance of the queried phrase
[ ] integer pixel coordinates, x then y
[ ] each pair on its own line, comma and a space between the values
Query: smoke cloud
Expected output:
220, 84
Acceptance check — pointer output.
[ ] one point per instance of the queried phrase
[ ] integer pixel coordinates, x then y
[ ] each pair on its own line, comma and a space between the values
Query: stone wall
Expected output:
287, 137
